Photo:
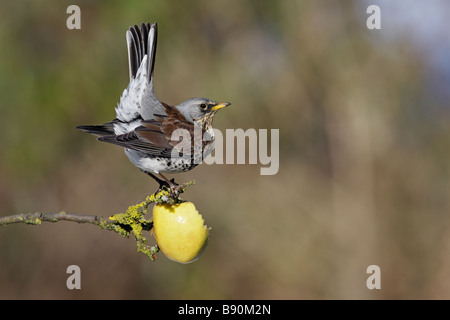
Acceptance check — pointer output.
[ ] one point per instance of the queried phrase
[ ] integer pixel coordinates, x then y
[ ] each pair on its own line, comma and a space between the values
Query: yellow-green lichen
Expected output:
33, 220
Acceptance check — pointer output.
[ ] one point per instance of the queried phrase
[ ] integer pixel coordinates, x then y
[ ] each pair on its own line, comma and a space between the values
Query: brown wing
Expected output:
158, 136
169, 131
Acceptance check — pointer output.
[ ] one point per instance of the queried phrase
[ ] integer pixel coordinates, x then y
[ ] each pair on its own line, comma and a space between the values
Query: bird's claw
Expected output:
173, 188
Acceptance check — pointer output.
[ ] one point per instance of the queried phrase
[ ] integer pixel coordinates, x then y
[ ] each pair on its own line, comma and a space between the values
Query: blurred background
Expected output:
364, 148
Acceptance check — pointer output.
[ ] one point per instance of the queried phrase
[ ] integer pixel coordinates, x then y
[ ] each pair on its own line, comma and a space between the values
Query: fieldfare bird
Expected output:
158, 138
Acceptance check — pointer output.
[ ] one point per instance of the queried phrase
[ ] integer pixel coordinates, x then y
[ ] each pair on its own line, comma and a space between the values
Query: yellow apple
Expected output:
180, 231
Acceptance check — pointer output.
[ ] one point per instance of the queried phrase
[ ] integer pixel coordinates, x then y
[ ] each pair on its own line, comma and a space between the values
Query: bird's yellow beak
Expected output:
220, 106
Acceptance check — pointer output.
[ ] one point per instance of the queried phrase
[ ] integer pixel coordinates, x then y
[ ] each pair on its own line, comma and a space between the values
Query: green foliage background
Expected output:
364, 152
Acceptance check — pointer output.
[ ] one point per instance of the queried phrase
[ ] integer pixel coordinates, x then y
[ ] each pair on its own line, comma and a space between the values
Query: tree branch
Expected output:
123, 223
39, 217
133, 220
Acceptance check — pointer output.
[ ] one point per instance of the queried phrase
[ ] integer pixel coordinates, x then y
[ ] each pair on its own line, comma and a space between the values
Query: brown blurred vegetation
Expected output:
364, 152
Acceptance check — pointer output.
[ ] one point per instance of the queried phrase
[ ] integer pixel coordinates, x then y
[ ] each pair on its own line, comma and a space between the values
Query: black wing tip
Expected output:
84, 128
100, 130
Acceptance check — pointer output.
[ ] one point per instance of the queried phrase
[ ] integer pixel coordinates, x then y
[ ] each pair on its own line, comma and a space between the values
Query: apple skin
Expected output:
180, 231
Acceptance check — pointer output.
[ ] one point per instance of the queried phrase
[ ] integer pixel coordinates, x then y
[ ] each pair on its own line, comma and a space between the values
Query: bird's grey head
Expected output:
197, 109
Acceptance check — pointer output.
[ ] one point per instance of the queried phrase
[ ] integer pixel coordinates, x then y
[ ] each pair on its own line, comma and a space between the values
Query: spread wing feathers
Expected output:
132, 140
158, 136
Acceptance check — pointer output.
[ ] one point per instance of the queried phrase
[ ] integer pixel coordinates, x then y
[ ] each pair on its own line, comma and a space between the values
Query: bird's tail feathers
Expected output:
140, 42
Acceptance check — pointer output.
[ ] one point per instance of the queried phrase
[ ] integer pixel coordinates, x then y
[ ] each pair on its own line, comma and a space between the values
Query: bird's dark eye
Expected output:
203, 106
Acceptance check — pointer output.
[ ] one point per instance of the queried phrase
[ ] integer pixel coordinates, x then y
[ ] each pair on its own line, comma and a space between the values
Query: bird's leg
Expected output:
174, 187
162, 183
170, 182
